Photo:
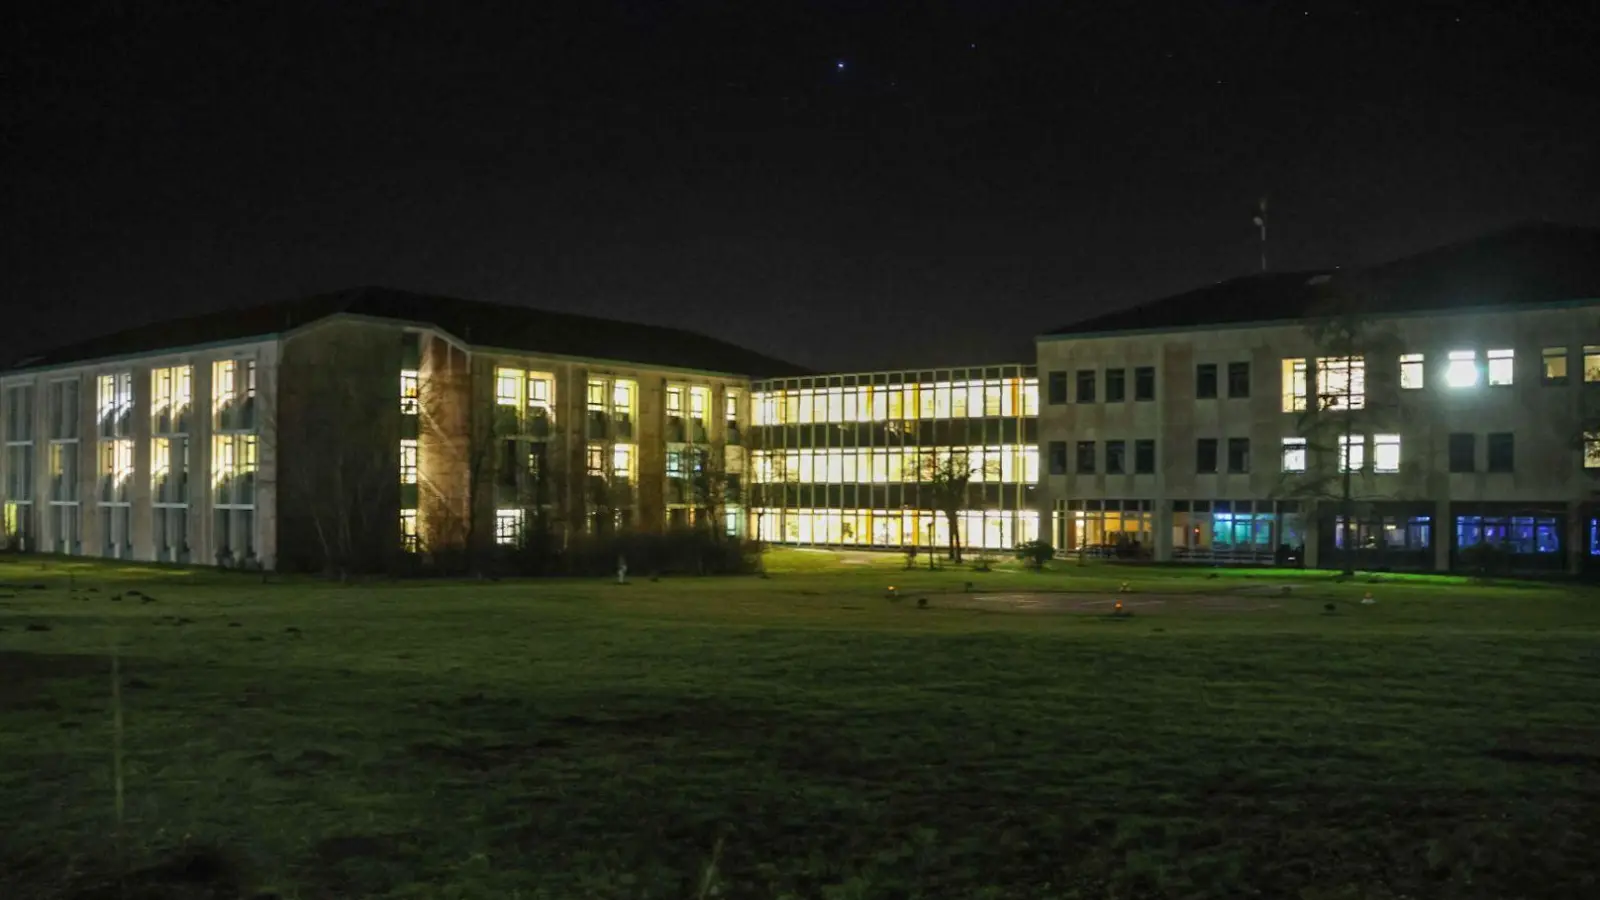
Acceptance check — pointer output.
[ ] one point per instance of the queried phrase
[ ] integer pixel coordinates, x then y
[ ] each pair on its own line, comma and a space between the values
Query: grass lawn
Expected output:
795, 736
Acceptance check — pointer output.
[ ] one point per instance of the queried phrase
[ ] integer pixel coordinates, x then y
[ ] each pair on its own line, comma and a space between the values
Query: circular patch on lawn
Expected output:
1103, 603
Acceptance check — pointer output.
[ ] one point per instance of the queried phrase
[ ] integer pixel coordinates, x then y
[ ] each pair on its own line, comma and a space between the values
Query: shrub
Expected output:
1035, 553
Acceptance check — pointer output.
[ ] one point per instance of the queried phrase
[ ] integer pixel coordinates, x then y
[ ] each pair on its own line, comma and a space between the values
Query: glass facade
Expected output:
871, 459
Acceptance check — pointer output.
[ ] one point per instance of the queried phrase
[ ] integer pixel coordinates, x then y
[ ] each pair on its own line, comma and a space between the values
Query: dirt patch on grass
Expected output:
23, 676
1552, 747
1102, 604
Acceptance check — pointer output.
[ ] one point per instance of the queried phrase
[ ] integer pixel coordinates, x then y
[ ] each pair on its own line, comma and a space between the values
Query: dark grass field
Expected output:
801, 735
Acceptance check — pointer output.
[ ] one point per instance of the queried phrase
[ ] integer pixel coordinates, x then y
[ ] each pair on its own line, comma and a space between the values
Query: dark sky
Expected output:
848, 184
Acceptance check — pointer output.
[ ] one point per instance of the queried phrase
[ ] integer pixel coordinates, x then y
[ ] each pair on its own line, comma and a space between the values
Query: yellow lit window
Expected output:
1411, 371
1555, 365
1591, 362
699, 399
409, 539
508, 387
1591, 450
1294, 385
622, 461
539, 389
223, 387
408, 461
410, 391
622, 398
596, 395
674, 401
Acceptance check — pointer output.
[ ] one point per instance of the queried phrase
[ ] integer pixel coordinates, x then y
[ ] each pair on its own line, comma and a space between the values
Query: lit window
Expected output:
408, 461
622, 461
1294, 454
539, 390
1411, 371
507, 384
507, 526
700, 398
1502, 366
597, 395
1591, 450
674, 401
597, 460
1294, 385
1462, 372
222, 383
1591, 362
1352, 452
409, 391
1555, 365
1341, 382
408, 530
730, 407
1386, 453
622, 398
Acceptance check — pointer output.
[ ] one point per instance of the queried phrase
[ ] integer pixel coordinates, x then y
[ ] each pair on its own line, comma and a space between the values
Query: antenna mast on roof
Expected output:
1261, 222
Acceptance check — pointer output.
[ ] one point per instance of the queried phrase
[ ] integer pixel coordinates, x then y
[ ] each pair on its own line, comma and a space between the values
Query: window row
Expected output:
234, 464
990, 529
880, 403
1011, 463
1087, 457
233, 531
1116, 385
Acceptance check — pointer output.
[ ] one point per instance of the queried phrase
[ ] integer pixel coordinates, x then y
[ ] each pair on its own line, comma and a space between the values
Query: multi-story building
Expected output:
1452, 391
881, 459
341, 427
1404, 415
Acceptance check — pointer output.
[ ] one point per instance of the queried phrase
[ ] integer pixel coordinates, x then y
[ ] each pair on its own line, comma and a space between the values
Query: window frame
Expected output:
1084, 386
1239, 447
1413, 371
1292, 447
1505, 373
1239, 374
1205, 381
1504, 462
1144, 449
1116, 385
1545, 357
1201, 447
1453, 442
1085, 451
1144, 384
1117, 451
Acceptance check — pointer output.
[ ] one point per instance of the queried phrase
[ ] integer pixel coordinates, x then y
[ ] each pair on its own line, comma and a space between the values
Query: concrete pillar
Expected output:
139, 517
201, 549
1444, 529
1577, 543
1161, 516
1311, 520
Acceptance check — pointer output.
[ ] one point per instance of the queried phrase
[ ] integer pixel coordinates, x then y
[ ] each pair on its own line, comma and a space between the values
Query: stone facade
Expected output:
1543, 479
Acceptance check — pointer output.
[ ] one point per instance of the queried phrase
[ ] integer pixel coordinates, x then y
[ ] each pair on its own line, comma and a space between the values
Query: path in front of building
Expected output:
1103, 603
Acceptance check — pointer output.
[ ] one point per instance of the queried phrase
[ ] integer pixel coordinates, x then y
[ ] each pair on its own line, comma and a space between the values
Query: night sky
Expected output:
848, 185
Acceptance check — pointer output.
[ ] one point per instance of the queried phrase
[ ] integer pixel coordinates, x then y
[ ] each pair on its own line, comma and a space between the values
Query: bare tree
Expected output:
334, 481
1350, 391
947, 476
